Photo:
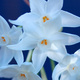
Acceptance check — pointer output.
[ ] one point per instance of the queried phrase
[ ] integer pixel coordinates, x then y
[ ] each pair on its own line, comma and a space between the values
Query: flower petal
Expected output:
5, 56
67, 39
28, 66
8, 72
77, 52
37, 6
26, 43
53, 25
32, 76
38, 59
4, 27
70, 20
58, 46
68, 59
25, 18
66, 76
57, 72
55, 55
57, 6
57, 52
15, 34
19, 57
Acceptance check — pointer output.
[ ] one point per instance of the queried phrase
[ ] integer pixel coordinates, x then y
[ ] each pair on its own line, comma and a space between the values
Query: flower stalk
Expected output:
43, 74
52, 64
28, 59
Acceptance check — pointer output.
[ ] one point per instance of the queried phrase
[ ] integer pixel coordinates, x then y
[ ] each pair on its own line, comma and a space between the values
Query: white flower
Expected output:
45, 44
48, 12
9, 37
24, 72
68, 68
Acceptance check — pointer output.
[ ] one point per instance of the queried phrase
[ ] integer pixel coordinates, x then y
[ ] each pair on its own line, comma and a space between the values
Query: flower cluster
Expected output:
41, 32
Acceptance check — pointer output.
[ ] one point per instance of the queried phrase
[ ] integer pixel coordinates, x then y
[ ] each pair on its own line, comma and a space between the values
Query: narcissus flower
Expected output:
45, 44
24, 72
9, 37
68, 68
43, 11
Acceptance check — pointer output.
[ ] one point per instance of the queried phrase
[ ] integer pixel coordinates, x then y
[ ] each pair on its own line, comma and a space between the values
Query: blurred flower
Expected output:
9, 37
45, 43
48, 12
68, 68
24, 72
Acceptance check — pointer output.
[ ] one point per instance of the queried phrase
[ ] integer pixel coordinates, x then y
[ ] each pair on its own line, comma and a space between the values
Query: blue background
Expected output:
12, 9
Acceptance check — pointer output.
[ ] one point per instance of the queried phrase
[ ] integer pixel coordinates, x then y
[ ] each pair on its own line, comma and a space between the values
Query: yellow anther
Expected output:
23, 75
44, 42
45, 18
73, 68
3, 39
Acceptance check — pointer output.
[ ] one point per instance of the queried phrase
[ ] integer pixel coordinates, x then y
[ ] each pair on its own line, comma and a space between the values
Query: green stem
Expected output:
28, 59
43, 74
52, 64
19, 26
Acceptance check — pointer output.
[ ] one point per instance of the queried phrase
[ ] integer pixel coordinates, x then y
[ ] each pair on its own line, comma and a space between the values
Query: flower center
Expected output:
22, 75
45, 18
44, 42
73, 68
3, 39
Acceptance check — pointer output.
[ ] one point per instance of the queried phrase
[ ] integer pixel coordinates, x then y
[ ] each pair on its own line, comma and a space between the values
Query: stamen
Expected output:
3, 39
73, 68
23, 75
44, 42
45, 18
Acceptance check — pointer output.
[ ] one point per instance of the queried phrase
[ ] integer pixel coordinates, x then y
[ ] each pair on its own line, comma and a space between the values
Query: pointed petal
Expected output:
67, 39
66, 76
58, 46
28, 66
4, 27
25, 18
37, 6
32, 76
55, 55
68, 59
5, 56
57, 6
19, 57
26, 43
38, 59
57, 72
77, 52
57, 52
15, 34
53, 25
70, 20
8, 72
